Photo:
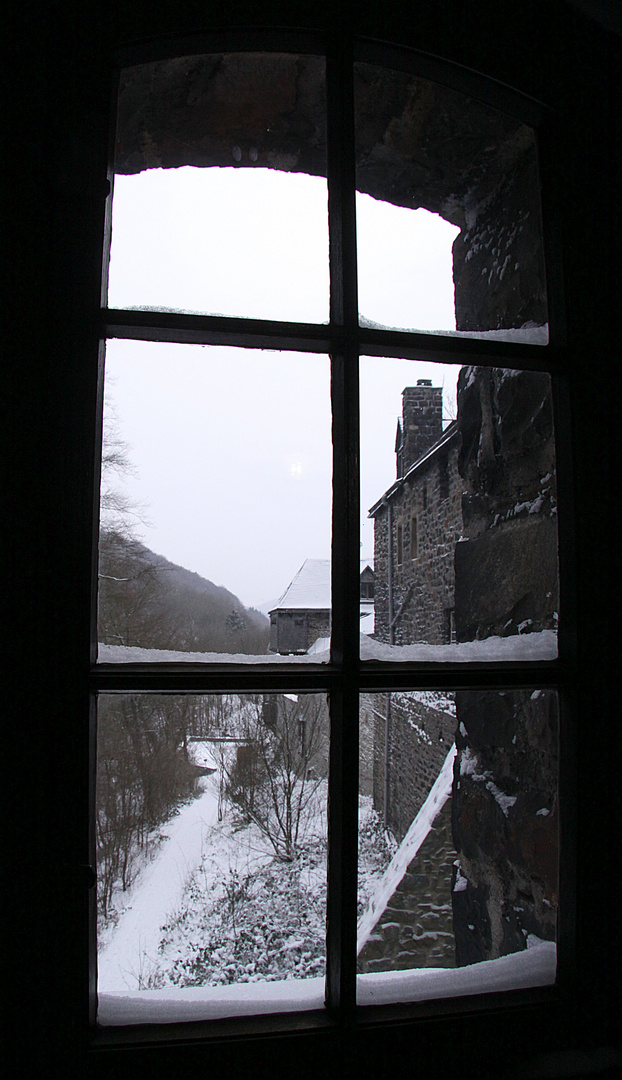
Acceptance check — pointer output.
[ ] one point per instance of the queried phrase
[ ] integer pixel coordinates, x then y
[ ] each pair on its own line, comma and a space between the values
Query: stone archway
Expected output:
419, 144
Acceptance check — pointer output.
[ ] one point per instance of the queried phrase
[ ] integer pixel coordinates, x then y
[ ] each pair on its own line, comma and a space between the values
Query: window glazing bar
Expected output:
343, 771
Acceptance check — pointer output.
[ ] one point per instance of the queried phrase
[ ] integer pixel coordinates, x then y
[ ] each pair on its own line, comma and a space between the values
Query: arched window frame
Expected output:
345, 340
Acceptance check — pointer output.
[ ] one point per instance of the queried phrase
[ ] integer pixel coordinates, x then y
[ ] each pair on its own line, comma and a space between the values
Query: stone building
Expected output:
302, 613
300, 619
485, 875
416, 525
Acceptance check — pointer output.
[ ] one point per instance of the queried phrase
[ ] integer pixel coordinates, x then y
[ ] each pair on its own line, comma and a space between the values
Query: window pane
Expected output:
216, 504
458, 843
211, 840
220, 196
464, 516
445, 182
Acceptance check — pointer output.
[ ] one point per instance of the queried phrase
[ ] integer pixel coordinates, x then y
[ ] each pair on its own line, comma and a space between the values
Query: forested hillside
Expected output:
147, 601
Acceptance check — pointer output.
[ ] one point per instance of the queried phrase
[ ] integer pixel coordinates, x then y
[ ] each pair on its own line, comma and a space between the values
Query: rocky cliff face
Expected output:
418, 144
505, 821
504, 807
506, 570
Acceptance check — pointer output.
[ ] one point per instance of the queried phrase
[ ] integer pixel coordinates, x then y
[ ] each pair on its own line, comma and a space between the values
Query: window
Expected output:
413, 538
400, 545
293, 114
443, 478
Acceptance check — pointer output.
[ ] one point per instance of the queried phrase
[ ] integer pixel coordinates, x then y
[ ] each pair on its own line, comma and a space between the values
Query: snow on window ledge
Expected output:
130, 654
538, 646
536, 966
177, 1004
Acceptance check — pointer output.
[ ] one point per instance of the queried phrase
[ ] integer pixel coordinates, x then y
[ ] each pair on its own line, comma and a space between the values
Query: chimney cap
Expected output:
424, 382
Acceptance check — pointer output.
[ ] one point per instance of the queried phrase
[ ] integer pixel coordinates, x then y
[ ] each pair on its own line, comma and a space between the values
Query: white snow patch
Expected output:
541, 645
321, 645
176, 1004
535, 966
461, 882
506, 802
130, 654
538, 646
201, 752
527, 334
543, 812
309, 588
133, 948
468, 767
439, 793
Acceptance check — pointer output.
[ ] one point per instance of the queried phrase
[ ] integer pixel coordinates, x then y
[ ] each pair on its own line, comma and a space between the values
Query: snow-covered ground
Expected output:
214, 907
129, 958
216, 926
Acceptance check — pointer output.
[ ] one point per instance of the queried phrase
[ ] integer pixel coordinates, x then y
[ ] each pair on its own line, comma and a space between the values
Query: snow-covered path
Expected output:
130, 955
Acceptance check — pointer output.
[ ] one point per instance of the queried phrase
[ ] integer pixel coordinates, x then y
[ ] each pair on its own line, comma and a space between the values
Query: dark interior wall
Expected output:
57, 116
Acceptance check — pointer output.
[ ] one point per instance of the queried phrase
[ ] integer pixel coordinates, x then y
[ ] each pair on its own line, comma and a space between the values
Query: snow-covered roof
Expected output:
448, 435
309, 589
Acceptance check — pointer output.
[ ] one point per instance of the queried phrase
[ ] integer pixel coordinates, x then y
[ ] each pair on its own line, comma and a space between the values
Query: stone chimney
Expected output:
421, 424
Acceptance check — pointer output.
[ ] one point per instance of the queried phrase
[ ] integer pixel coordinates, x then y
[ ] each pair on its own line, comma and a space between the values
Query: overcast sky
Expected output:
231, 448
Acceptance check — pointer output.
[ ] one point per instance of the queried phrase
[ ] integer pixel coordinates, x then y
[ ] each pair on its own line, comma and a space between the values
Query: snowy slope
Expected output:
131, 953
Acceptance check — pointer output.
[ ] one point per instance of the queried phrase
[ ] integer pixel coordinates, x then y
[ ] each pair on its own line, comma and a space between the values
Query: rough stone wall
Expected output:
318, 626
505, 786
423, 587
418, 145
367, 728
498, 258
506, 570
237, 109
415, 930
420, 736
505, 822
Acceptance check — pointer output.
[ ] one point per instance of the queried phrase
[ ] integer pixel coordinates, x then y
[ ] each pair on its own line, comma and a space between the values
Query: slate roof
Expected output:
448, 435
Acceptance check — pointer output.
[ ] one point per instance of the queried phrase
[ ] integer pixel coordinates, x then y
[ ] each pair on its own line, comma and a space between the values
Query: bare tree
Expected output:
275, 778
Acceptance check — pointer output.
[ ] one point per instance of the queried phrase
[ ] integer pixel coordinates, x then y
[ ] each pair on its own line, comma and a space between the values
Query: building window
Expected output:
443, 478
294, 115
414, 549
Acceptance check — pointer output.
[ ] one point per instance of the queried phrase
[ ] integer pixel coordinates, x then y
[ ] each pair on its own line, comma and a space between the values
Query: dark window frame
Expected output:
346, 675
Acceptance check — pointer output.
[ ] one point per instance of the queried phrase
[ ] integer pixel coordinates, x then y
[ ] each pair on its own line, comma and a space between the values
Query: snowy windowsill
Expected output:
132, 654
536, 966
538, 646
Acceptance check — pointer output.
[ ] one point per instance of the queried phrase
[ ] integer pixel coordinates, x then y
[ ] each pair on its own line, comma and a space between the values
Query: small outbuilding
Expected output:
302, 615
